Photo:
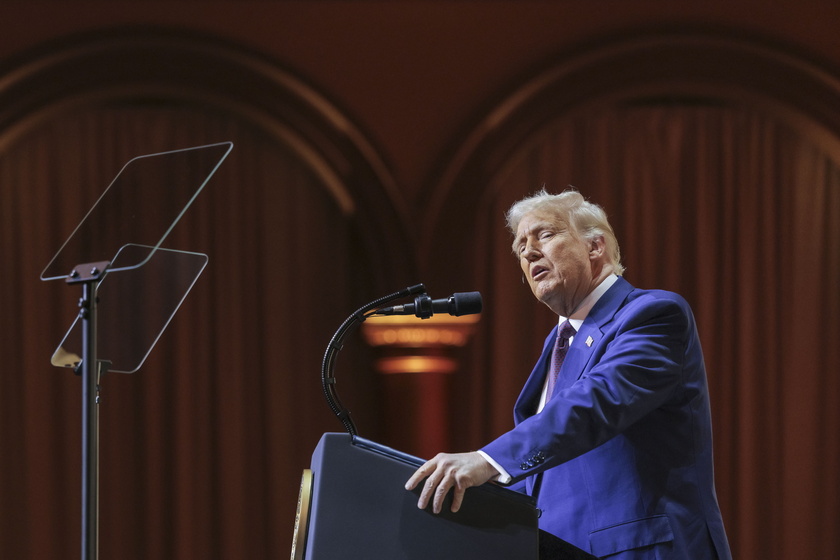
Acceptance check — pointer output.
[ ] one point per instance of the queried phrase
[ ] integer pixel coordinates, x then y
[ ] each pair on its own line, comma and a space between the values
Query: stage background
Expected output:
377, 145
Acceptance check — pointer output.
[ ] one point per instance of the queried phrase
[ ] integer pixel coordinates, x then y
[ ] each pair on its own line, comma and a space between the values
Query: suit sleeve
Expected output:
636, 367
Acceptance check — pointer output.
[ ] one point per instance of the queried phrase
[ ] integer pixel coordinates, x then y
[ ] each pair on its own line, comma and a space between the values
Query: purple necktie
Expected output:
561, 346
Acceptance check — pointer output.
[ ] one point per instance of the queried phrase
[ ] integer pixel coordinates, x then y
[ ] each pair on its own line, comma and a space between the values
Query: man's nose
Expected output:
531, 251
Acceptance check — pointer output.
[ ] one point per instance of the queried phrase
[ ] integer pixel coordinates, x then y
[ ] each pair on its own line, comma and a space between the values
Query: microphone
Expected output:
461, 303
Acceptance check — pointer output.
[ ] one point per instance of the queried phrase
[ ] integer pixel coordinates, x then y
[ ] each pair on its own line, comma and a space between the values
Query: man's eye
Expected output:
547, 235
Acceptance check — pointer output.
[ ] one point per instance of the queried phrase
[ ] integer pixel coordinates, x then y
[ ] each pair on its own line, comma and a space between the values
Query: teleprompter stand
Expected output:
121, 238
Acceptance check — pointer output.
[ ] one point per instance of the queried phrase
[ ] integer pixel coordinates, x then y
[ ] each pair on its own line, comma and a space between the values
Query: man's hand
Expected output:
458, 471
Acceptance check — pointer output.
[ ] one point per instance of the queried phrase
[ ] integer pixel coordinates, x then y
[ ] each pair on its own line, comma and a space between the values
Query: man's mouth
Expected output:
538, 272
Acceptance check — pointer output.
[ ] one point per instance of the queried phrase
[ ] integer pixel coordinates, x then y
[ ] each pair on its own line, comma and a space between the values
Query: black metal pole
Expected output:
89, 370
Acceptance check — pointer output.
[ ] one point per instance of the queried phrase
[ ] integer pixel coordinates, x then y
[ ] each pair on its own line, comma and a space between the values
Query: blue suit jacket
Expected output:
620, 460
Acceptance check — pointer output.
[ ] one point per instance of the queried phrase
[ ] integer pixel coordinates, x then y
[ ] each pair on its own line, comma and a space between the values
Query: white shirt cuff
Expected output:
504, 477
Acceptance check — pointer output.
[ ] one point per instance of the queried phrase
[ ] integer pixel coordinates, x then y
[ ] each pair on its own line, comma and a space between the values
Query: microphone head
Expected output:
465, 303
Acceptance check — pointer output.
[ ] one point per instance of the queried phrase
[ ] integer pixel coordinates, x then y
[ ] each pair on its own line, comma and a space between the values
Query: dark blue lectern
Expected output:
353, 505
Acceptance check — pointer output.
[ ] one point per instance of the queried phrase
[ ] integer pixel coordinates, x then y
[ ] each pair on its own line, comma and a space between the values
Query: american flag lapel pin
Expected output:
589, 341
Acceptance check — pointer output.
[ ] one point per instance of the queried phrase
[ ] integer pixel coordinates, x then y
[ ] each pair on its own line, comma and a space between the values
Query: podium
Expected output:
353, 502
353, 505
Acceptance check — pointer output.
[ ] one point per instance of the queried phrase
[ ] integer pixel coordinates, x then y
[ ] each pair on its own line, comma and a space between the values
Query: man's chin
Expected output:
543, 293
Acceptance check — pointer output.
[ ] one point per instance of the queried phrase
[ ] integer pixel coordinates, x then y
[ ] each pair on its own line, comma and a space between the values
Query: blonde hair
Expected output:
586, 218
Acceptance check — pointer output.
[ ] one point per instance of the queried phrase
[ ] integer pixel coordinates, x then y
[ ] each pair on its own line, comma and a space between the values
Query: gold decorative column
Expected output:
415, 358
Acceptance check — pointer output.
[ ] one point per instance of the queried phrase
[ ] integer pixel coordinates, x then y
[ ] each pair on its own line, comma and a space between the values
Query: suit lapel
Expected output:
591, 332
526, 404
579, 354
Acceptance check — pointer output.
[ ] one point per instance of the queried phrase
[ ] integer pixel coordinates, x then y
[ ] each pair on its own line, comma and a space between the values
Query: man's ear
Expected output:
597, 247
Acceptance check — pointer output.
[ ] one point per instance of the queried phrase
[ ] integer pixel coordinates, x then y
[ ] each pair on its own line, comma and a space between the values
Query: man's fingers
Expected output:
429, 472
457, 499
427, 494
419, 475
448, 471
442, 488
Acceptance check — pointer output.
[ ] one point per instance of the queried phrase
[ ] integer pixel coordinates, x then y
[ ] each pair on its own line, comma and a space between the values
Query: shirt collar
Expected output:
577, 318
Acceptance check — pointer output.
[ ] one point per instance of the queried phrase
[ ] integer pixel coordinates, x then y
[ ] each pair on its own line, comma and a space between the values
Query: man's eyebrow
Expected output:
520, 239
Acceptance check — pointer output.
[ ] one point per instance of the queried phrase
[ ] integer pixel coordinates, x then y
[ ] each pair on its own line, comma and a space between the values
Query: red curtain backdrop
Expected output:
202, 449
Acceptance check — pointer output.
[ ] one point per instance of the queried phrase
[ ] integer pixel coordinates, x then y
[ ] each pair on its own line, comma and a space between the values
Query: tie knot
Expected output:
566, 331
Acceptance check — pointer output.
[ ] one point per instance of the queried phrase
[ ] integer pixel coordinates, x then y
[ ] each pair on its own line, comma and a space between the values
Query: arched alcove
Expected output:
202, 449
178, 68
656, 66
717, 157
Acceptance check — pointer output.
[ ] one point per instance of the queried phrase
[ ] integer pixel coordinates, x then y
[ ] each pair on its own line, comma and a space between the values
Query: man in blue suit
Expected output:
612, 431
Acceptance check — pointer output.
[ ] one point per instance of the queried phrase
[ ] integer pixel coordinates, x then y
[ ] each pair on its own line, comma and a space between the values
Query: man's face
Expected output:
556, 261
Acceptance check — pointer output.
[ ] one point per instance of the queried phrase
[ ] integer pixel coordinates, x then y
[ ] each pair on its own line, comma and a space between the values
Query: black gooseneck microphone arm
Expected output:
337, 342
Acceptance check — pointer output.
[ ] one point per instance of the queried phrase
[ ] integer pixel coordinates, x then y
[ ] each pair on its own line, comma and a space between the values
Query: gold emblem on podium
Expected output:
302, 516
